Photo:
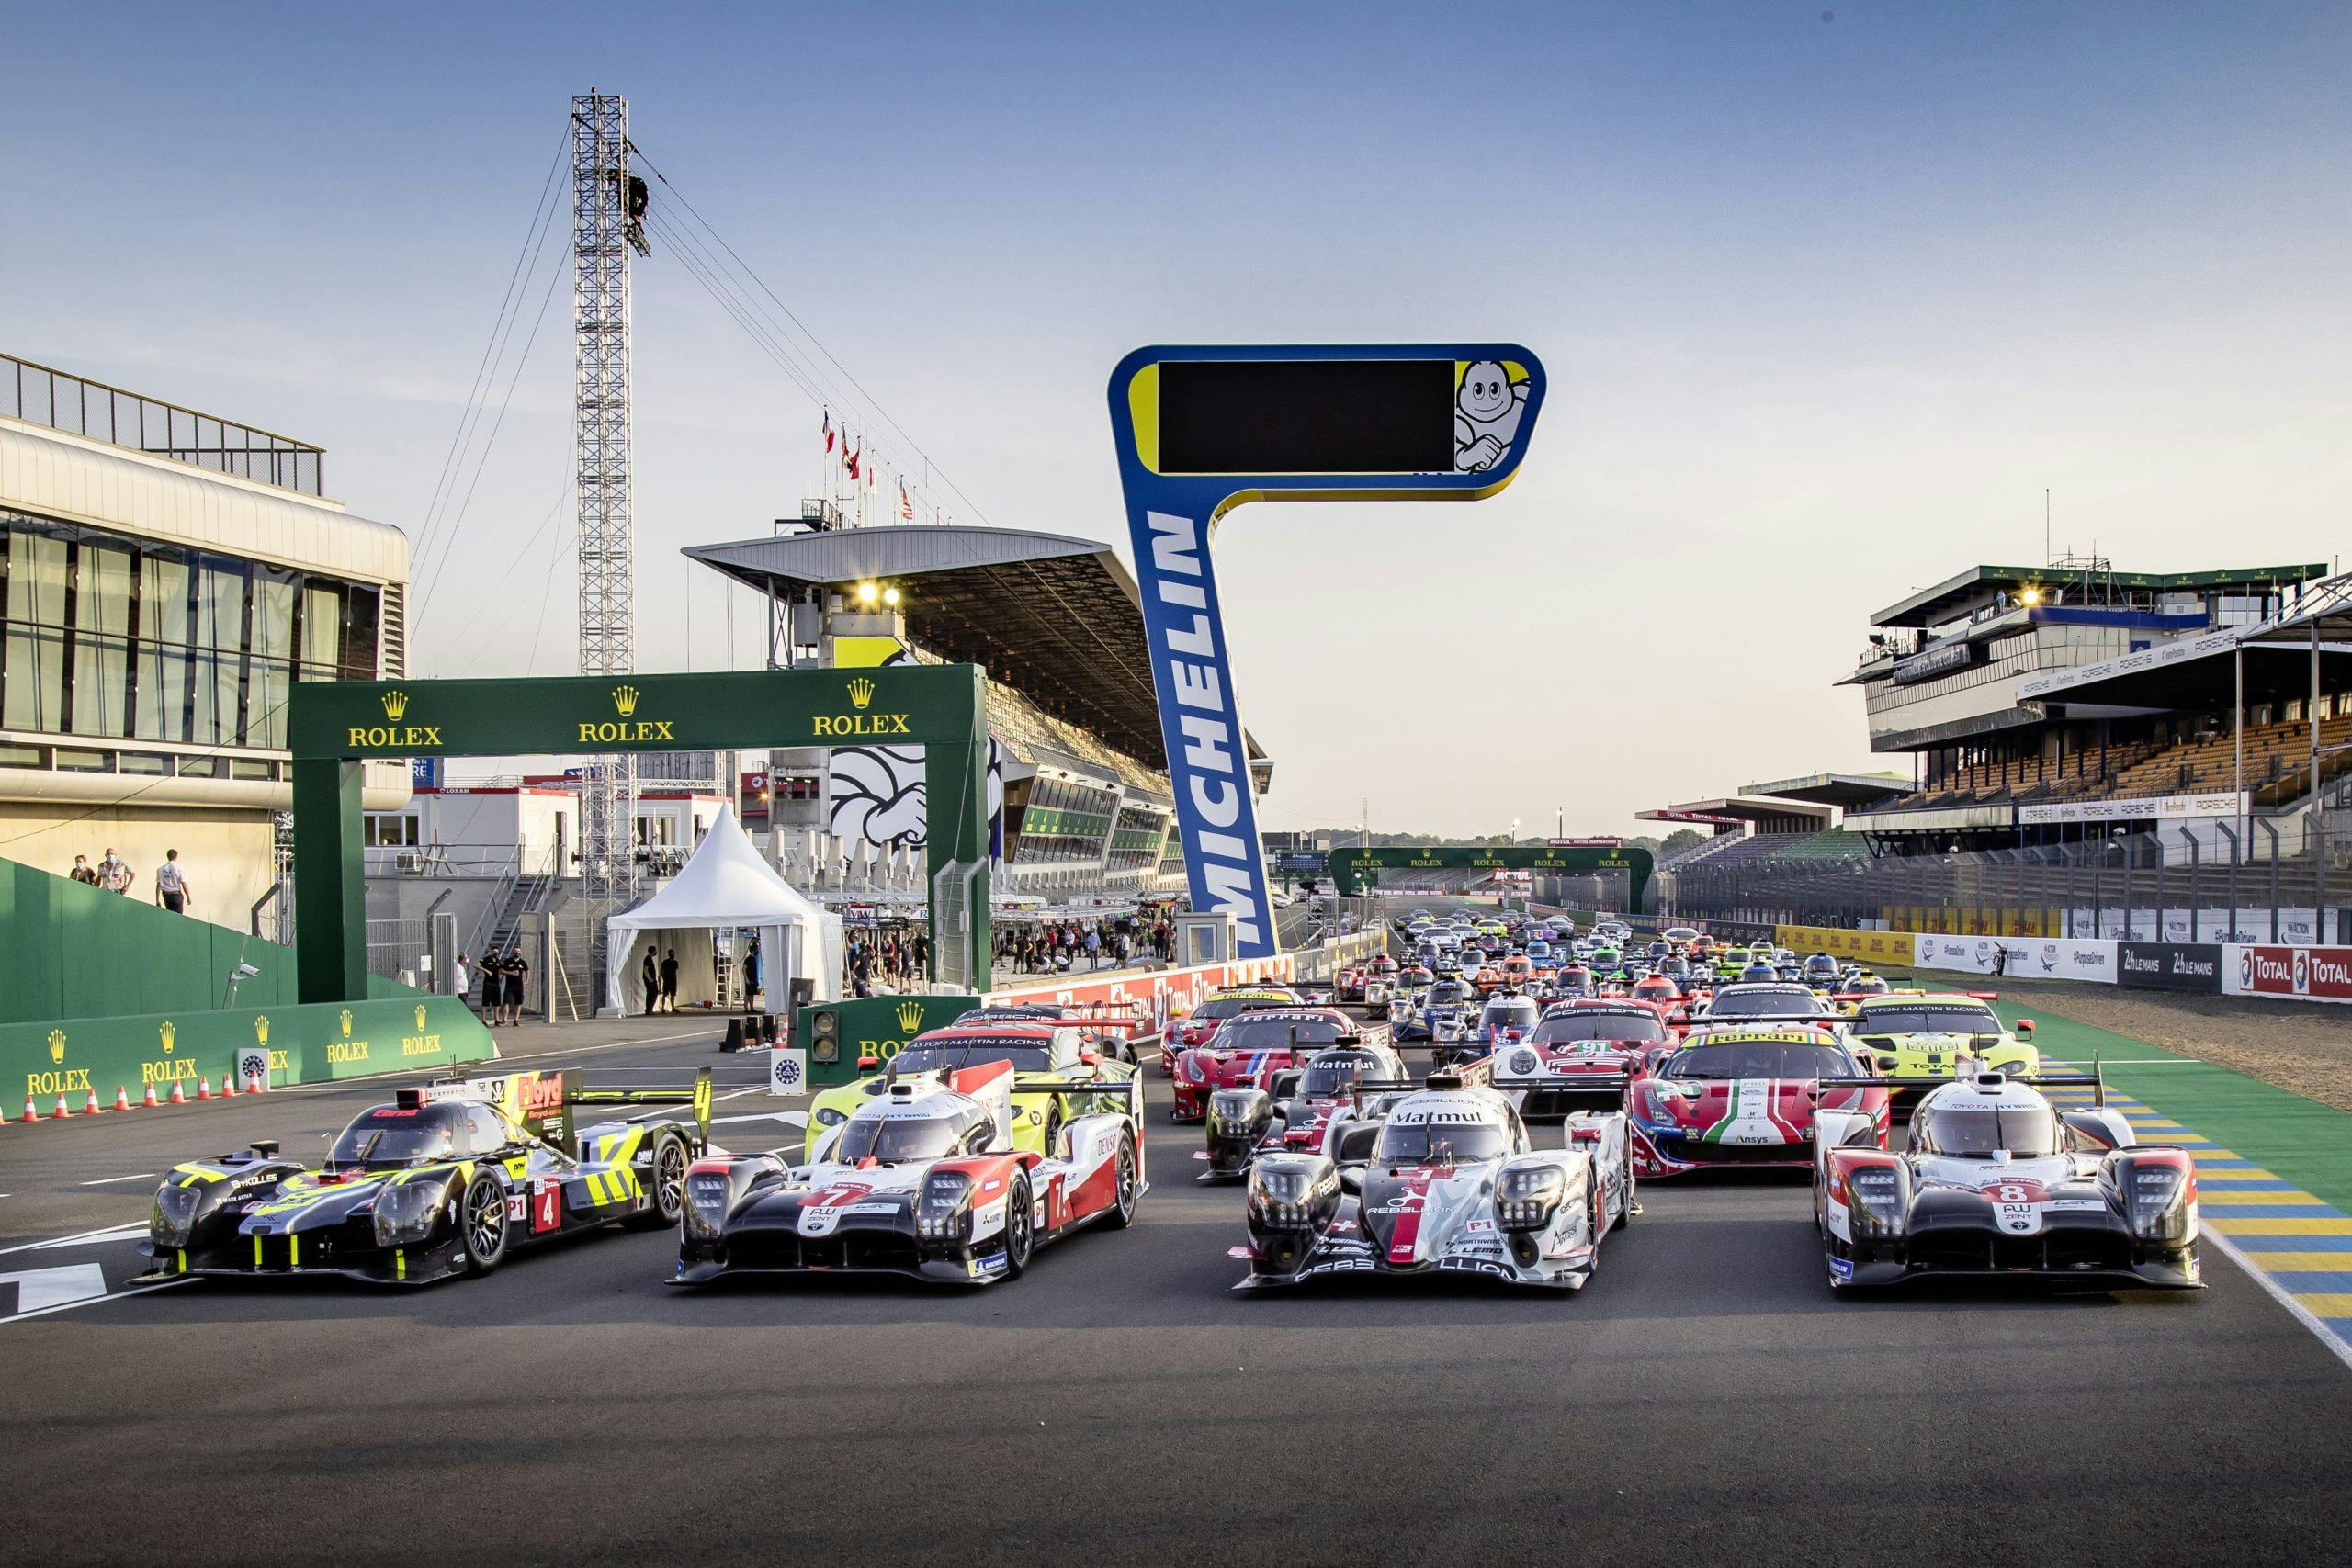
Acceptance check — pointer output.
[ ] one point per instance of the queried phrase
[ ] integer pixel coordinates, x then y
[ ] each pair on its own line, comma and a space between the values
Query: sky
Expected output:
1827, 297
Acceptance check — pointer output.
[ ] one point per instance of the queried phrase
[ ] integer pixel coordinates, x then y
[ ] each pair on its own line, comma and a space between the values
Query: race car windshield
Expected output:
1571, 1028
1760, 1059
389, 1135
1928, 1021
1439, 1143
1767, 1004
1273, 1032
2026, 1132
1449, 993
893, 1140
1329, 1074
948, 1054
1227, 1007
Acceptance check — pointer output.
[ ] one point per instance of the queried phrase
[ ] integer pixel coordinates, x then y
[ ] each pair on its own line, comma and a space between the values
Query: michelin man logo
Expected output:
1486, 406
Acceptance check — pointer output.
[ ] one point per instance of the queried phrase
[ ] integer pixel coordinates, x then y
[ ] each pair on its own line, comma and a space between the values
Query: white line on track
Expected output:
82, 1239
2279, 1294
107, 1181
94, 1301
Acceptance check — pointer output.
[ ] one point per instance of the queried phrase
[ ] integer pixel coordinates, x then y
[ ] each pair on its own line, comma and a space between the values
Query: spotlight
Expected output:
868, 593
890, 596
2028, 597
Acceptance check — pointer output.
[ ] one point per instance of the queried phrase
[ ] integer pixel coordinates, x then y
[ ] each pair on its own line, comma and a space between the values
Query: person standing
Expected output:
751, 975
514, 969
172, 889
81, 872
1093, 947
494, 988
462, 977
652, 985
114, 872
670, 982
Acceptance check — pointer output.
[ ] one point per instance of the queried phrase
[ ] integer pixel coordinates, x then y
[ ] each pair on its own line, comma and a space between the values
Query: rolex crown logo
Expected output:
420, 1018
347, 1023
261, 1029
395, 704
625, 700
861, 692
910, 1016
169, 1032
56, 1046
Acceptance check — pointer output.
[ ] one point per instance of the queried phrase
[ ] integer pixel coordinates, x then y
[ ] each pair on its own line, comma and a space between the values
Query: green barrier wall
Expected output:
76, 1057
870, 1026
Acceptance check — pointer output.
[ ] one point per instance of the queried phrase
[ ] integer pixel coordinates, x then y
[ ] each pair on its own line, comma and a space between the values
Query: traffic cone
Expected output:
257, 1084
122, 1097
229, 1086
91, 1108
61, 1112
33, 1112
178, 1097
149, 1102
203, 1087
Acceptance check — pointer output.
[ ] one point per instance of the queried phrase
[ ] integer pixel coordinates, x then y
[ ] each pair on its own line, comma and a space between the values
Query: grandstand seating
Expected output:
1829, 844
1737, 853
2275, 758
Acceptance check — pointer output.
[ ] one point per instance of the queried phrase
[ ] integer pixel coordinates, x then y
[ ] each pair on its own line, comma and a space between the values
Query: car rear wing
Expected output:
697, 1095
2093, 1080
1606, 1088
1127, 1088
1741, 1020
542, 1102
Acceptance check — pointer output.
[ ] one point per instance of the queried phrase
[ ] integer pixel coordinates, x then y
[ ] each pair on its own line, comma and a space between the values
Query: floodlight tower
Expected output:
607, 206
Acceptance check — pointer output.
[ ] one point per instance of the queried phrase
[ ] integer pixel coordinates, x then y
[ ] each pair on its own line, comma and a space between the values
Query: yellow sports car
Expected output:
1041, 1051
1920, 1036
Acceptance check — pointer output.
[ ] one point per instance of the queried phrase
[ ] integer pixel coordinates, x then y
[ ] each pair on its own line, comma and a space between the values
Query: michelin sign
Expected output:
1200, 431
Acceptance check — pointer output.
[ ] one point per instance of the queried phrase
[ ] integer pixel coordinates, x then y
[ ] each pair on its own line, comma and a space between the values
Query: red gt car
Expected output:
1249, 1049
1745, 1095
1195, 1028
1579, 1041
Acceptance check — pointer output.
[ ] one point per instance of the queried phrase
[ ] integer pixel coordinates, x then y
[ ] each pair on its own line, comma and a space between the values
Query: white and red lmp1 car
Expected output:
923, 1180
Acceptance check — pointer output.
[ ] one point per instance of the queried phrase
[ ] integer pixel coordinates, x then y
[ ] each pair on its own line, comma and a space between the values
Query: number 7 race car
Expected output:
445, 1180
1994, 1182
924, 1180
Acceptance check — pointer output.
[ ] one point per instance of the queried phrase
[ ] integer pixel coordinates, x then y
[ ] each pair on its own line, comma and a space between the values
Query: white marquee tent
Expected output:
725, 888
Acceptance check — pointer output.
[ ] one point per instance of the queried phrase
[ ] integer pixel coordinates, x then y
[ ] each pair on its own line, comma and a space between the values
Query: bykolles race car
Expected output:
1249, 1050
1045, 1055
444, 1181
1747, 1095
1444, 1182
924, 1180
1925, 1038
1293, 1112
1195, 1027
1996, 1181
1579, 1056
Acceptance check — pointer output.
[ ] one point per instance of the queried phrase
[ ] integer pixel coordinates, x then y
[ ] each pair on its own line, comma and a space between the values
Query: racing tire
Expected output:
1128, 1185
667, 1189
1019, 1226
1052, 1131
1625, 1204
482, 1222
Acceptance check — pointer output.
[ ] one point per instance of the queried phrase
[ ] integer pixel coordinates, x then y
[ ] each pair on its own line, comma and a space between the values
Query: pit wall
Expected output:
2289, 972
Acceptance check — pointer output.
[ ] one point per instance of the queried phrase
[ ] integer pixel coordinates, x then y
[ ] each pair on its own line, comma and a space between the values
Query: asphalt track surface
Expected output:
1703, 1400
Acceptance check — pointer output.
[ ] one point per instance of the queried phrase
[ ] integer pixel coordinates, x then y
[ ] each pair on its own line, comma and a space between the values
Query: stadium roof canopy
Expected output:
2200, 674
1058, 618
1737, 808
1930, 605
1847, 791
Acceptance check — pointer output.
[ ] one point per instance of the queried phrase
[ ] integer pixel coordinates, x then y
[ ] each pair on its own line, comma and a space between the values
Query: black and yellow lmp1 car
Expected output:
445, 1180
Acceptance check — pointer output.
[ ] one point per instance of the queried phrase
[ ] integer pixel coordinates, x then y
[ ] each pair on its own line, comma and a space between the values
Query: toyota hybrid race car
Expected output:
1195, 1027
1578, 1044
1996, 1181
1045, 1053
1924, 1038
1747, 1095
1249, 1050
445, 1180
923, 1180
1292, 1114
1439, 1180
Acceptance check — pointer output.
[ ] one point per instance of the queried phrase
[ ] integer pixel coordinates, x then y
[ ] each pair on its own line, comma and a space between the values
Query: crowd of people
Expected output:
885, 959
1059, 946
502, 976
113, 874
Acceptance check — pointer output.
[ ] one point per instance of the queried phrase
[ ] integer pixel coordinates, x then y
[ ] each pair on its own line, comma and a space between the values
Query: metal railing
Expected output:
63, 401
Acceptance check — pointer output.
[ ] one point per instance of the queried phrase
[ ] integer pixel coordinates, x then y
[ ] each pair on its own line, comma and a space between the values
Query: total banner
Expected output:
1894, 948
2170, 965
2303, 974
2027, 957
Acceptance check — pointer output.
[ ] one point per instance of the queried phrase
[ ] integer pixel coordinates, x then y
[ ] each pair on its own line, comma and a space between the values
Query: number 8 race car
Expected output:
924, 1180
443, 1181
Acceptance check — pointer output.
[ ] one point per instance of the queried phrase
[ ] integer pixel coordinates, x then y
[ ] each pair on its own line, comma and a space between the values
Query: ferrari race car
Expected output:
1580, 1054
445, 1180
1045, 1054
1439, 1180
1195, 1027
925, 1181
1249, 1050
1293, 1113
1996, 1181
1747, 1095
1924, 1038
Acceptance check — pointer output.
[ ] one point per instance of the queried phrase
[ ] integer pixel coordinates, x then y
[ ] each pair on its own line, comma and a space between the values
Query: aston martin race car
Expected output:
444, 1181
1579, 1056
1195, 1027
1926, 1037
1045, 1054
1440, 1179
1294, 1112
1996, 1181
923, 1179
1249, 1050
1747, 1095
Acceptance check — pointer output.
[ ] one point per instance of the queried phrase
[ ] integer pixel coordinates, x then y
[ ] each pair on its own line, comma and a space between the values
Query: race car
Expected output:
1045, 1054
1443, 1015
1348, 985
1820, 972
1857, 989
1116, 1026
1580, 1054
1501, 1021
1996, 1181
1925, 1038
1746, 1095
1439, 1180
444, 1181
1195, 1027
1768, 999
924, 1180
1293, 1113
1658, 992
1248, 1051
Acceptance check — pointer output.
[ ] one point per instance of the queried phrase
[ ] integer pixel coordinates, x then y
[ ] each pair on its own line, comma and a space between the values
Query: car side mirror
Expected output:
867, 1064
1090, 1056
2025, 1026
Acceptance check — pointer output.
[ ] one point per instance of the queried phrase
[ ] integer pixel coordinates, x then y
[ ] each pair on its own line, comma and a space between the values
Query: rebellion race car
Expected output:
1293, 1113
1045, 1054
1441, 1180
1747, 1095
1249, 1050
1994, 1182
924, 1180
443, 1181
1924, 1038
1580, 1056
1195, 1027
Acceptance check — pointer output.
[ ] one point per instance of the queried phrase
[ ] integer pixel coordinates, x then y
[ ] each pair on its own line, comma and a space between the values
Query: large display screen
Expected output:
1310, 416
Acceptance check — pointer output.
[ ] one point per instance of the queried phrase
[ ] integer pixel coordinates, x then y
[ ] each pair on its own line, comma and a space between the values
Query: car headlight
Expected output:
1877, 1207
2158, 1210
404, 1212
1197, 1071
829, 1117
943, 1211
709, 1195
1240, 1114
1525, 1198
1291, 1199
174, 1217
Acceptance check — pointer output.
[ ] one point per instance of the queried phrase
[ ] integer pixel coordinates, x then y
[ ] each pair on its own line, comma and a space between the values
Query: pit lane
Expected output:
1703, 1398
